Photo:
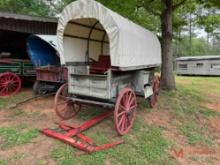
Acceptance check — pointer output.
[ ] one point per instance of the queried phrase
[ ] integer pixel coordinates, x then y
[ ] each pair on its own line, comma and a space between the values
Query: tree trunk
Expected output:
190, 34
167, 78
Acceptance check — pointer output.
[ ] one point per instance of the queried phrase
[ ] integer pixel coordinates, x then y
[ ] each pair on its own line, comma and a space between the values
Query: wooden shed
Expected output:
198, 65
15, 29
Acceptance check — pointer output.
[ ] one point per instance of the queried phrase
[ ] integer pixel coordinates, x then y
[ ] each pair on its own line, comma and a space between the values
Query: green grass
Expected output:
41, 162
196, 134
202, 84
146, 147
187, 103
8, 101
16, 136
3, 162
12, 160
188, 100
17, 112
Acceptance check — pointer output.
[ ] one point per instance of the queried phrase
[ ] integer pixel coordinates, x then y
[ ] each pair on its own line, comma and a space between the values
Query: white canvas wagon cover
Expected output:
128, 44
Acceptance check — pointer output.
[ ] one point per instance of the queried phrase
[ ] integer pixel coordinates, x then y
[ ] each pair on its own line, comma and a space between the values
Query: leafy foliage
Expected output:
31, 7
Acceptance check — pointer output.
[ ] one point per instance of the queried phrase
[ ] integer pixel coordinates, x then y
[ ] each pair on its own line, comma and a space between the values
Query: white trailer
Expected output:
198, 65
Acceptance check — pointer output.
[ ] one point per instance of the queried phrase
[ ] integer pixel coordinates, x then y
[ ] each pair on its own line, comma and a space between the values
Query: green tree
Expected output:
210, 21
30, 7
164, 9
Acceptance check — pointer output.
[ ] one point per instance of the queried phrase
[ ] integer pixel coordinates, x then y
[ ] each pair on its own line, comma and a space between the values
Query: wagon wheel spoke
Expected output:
11, 88
129, 96
121, 120
121, 113
122, 107
133, 107
62, 102
121, 124
3, 90
124, 124
132, 101
62, 97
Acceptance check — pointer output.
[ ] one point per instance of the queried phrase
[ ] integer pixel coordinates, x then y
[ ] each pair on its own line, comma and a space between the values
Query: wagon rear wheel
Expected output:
125, 111
39, 88
10, 83
64, 107
156, 91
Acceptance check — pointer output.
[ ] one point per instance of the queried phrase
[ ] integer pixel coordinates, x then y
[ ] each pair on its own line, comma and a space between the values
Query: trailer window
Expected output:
215, 66
199, 65
183, 66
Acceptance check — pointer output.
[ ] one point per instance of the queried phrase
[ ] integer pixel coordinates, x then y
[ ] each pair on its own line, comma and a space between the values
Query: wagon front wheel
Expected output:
125, 111
64, 107
156, 91
10, 84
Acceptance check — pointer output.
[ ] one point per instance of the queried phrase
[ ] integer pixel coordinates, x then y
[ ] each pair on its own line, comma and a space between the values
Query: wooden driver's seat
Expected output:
100, 66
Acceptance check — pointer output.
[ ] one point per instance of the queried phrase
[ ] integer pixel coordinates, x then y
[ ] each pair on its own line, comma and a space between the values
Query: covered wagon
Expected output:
42, 50
110, 60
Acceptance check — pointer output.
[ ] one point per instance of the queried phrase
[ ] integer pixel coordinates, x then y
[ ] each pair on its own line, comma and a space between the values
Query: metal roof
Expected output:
194, 58
27, 17
27, 24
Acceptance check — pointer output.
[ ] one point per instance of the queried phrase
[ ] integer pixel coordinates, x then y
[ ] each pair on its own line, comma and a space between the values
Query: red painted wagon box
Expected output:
12, 73
52, 74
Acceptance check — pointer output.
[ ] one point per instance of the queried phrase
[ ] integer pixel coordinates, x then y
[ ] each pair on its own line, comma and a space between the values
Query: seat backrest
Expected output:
104, 61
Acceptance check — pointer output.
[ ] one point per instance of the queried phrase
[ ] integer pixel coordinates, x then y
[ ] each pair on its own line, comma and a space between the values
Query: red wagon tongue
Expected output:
84, 143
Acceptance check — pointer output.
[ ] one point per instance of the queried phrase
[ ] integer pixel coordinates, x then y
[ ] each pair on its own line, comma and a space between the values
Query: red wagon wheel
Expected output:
125, 110
64, 107
156, 91
10, 83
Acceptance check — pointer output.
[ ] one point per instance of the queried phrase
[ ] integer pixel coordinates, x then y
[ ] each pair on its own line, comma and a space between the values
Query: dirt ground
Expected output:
41, 115
215, 102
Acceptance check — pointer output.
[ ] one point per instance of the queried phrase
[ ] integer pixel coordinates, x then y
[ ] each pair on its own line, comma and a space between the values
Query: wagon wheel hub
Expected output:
9, 83
128, 111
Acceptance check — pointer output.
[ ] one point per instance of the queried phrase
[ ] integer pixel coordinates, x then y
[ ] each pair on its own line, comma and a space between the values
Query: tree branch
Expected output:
178, 4
154, 12
149, 9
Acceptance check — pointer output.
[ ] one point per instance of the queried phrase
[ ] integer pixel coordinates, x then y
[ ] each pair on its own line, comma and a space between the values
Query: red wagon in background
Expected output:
49, 79
12, 74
